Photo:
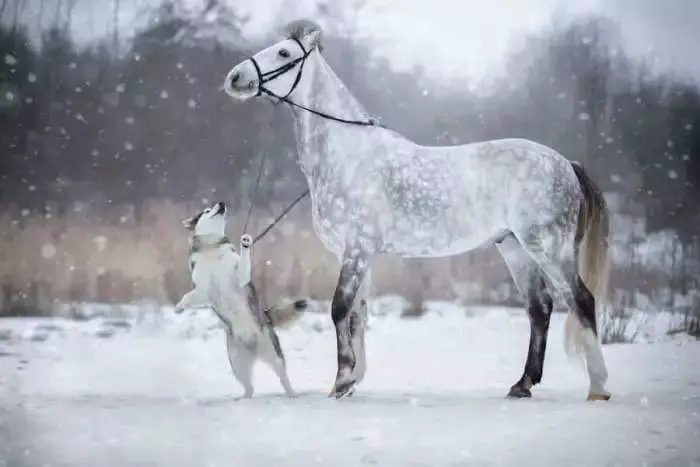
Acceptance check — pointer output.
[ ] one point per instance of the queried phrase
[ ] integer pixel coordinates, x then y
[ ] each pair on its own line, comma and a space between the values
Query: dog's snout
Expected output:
221, 207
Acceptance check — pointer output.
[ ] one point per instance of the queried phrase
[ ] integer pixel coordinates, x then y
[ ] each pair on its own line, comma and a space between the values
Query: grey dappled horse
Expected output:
374, 191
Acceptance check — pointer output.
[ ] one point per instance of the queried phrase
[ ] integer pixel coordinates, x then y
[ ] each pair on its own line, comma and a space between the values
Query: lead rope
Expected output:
254, 193
252, 203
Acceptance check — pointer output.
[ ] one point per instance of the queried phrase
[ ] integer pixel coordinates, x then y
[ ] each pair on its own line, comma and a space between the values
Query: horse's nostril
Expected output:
235, 78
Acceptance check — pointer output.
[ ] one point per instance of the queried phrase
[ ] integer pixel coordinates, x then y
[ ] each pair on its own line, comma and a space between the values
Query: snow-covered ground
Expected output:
433, 396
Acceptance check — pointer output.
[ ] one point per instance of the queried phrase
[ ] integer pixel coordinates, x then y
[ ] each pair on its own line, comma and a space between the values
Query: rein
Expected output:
277, 72
252, 203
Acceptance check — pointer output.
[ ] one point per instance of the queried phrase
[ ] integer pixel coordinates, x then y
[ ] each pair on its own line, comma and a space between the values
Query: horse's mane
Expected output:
299, 28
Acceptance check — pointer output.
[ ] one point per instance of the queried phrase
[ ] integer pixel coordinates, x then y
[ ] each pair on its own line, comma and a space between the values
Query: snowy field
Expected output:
161, 394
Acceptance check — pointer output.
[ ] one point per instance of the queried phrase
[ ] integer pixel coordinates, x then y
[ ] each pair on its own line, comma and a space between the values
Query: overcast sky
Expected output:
455, 38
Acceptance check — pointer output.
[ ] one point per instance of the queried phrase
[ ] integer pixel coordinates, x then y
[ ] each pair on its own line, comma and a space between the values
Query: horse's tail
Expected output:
591, 238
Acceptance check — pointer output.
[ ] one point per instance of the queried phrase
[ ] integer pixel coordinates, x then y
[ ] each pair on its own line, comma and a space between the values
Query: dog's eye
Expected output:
284, 53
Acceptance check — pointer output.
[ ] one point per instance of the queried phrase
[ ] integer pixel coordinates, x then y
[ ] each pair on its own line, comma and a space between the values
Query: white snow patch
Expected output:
433, 395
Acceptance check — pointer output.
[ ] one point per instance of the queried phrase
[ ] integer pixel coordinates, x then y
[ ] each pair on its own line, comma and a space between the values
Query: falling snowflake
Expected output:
191, 104
561, 95
73, 65
128, 146
584, 117
672, 174
122, 219
10, 60
121, 87
615, 178
129, 120
24, 212
48, 251
688, 127
669, 144
179, 66
609, 140
137, 57
32, 187
10, 96
164, 94
100, 242
31, 77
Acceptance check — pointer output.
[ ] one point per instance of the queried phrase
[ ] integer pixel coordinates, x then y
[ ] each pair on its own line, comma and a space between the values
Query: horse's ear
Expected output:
313, 38
305, 31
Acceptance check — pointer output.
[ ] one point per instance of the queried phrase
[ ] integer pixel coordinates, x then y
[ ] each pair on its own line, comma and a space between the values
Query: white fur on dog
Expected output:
222, 280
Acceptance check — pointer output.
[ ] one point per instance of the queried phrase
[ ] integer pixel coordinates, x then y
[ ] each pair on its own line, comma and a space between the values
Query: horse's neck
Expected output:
320, 89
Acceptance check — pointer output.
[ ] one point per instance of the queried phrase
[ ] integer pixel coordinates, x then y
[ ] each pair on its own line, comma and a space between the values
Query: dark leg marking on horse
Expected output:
585, 305
352, 274
539, 310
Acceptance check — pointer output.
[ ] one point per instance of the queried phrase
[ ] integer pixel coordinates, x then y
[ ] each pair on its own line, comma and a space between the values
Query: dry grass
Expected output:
82, 256
86, 256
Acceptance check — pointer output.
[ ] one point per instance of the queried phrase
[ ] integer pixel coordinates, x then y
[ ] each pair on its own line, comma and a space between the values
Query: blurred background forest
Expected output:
105, 147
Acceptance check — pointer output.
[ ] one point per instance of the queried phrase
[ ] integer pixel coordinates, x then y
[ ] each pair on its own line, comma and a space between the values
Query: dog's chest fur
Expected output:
214, 270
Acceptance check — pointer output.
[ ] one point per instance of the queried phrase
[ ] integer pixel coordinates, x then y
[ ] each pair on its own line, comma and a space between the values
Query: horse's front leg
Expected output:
348, 328
358, 324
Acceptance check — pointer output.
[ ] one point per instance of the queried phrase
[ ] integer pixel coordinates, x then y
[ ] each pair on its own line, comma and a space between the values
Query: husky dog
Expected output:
222, 281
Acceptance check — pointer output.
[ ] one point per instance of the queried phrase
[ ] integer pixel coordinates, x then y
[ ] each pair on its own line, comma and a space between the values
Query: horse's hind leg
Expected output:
529, 280
544, 245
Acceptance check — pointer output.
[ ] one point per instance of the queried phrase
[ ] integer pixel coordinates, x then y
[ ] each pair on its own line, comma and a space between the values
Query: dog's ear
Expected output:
189, 224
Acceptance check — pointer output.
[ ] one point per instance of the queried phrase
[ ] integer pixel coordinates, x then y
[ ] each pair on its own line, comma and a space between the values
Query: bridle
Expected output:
266, 77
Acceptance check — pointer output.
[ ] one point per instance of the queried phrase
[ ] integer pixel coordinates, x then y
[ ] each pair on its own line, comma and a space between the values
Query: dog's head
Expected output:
209, 221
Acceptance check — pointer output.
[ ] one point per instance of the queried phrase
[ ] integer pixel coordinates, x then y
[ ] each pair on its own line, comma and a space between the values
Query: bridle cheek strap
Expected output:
277, 72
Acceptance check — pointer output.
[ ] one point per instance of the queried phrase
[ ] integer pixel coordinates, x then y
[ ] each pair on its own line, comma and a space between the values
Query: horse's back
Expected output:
535, 182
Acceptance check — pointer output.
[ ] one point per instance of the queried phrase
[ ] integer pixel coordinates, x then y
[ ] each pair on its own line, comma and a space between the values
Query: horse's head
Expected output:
277, 70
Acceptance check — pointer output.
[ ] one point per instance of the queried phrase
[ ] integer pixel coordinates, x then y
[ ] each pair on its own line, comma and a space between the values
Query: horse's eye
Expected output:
284, 53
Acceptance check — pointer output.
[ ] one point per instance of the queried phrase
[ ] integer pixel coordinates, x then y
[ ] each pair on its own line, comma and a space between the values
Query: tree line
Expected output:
111, 123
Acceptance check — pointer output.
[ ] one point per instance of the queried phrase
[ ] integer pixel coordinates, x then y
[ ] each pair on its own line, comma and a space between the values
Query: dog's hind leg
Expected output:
241, 361
270, 351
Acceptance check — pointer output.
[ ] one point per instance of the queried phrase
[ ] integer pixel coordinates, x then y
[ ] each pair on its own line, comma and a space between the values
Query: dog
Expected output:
222, 281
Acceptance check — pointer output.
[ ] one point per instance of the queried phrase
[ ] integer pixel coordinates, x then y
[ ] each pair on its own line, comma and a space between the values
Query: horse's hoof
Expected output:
598, 397
346, 389
519, 392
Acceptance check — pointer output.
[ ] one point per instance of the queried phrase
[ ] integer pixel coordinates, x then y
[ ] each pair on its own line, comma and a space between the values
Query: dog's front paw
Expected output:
246, 241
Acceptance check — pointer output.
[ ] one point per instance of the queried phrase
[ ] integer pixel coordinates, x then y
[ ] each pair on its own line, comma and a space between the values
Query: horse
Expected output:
374, 192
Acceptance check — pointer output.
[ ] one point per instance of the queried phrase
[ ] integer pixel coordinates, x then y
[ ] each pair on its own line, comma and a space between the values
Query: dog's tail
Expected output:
286, 312
592, 234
